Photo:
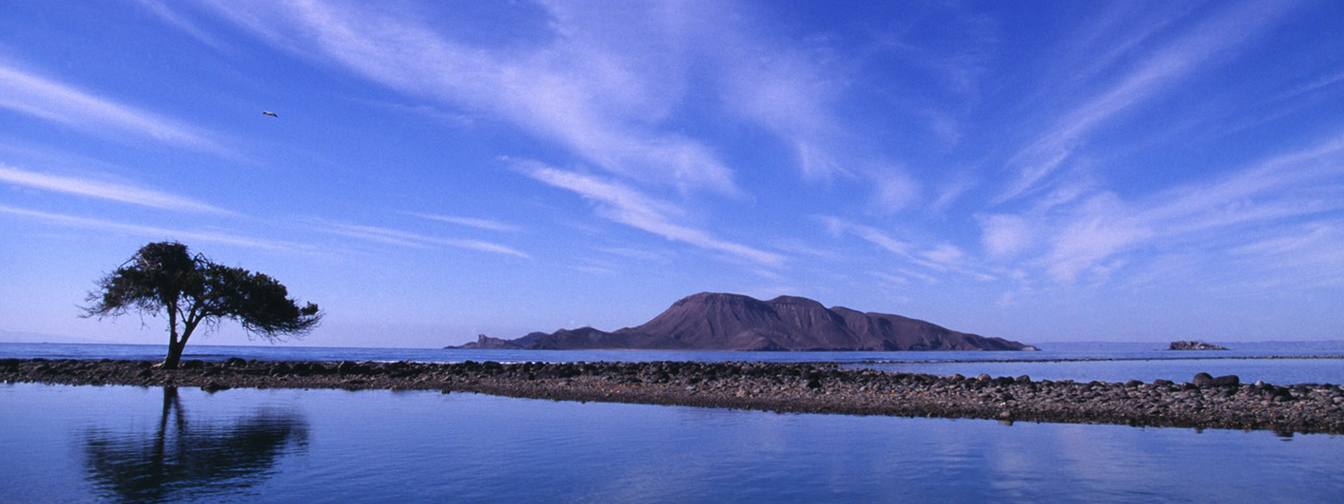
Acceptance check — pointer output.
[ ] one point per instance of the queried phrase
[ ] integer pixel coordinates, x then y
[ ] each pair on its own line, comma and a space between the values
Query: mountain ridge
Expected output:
734, 322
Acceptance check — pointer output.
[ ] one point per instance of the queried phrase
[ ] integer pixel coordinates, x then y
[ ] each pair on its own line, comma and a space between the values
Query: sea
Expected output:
157, 444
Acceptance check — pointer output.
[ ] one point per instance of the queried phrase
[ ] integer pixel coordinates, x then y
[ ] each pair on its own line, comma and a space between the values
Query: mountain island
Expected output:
732, 322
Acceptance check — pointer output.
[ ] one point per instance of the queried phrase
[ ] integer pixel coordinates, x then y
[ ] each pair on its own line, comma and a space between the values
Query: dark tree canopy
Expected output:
164, 277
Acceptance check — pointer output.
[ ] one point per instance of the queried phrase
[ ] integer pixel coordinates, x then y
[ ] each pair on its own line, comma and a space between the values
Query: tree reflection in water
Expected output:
181, 458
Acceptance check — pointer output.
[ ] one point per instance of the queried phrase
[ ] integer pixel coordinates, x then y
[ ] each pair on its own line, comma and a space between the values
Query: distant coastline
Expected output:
38, 338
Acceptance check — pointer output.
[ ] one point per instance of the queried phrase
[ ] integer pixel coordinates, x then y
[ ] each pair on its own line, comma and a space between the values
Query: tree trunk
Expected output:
178, 343
174, 345
174, 355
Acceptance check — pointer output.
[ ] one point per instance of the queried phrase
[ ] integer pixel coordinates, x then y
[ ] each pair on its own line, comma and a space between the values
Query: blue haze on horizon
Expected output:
1039, 171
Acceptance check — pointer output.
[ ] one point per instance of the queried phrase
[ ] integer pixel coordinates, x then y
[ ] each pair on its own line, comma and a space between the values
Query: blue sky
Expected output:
1040, 171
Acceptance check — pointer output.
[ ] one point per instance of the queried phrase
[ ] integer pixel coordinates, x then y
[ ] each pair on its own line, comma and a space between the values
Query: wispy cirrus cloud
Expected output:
153, 232
940, 258
893, 189
105, 190
786, 94
582, 81
1301, 182
633, 208
1318, 84
180, 22
1099, 229
1004, 235
837, 227
1306, 256
486, 224
412, 240
1093, 231
39, 96
1205, 44
611, 85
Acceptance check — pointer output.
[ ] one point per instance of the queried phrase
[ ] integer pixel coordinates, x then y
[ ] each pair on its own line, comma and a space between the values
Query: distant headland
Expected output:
733, 322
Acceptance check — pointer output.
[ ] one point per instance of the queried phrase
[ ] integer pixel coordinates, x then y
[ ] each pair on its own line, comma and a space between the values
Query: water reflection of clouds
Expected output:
1117, 463
183, 456
708, 454
1099, 461
723, 454
426, 446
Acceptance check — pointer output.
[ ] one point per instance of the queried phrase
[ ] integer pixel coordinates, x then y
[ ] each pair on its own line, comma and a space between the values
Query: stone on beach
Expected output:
1206, 380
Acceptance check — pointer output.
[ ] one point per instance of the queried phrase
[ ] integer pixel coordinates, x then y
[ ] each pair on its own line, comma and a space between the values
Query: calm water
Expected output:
130, 444
133, 444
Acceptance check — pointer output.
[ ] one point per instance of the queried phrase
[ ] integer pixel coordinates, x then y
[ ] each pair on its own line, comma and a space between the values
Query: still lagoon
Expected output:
154, 444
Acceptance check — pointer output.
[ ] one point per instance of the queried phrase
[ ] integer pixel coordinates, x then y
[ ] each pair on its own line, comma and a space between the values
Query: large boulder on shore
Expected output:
1207, 380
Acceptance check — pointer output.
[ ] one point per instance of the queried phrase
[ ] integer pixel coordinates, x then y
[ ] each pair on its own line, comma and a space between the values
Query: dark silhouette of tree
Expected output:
191, 290
184, 459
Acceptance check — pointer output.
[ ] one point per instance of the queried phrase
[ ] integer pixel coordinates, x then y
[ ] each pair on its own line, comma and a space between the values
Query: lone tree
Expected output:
163, 277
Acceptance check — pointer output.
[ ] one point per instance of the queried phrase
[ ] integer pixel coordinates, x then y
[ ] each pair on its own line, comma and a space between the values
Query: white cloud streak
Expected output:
628, 206
152, 232
837, 226
486, 224
609, 84
1203, 45
1313, 254
105, 190
412, 240
785, 94
894, 189
941, 258
581, 88
1005, 235
1315, 85
1102, 227
180, 22
40, 97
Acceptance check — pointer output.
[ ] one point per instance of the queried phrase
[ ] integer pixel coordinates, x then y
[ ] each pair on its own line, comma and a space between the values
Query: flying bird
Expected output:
269, 113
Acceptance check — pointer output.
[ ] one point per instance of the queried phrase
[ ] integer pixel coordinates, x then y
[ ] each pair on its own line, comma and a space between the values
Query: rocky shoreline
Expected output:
1205, 402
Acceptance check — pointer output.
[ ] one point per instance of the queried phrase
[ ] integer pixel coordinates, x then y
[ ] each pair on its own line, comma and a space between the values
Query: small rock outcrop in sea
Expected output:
713, 321
1194, 345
